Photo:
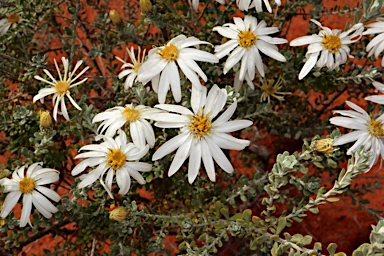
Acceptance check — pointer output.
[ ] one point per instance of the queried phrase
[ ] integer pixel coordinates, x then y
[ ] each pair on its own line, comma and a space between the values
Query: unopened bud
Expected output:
146, 5
4, 173
324, 146
118, 214
115, 17
45, 119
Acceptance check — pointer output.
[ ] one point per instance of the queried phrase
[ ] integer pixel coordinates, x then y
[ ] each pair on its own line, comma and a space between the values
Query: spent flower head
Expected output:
271, 89
61, 88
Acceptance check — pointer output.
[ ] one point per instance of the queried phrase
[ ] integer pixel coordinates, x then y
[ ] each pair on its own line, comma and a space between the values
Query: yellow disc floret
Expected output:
116, 159
13, 18
375, 128
332, 43
27, 185
136, 67
62, 87
131, 114
247, 39
169, 52
200, 125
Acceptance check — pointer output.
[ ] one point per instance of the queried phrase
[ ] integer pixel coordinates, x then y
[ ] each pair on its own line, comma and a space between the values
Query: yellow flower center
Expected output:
136, 67
131, 114
268, 88
375, 128
332, 43
200, 125
115, 159
62, 87
27, 185
247, 39
13, 18
169, 52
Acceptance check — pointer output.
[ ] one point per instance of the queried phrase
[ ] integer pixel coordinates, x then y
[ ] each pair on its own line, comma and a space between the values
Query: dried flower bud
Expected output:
4, 173
115, 17
146, 5
324, 146
118, 214
45, 119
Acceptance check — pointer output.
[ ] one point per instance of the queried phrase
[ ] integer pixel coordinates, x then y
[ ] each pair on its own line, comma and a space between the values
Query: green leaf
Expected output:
333, 199
314, 210
332, 249
224, 211
281, 225
237, 216
247, 214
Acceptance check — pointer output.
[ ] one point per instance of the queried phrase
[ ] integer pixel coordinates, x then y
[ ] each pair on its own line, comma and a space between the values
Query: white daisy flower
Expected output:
61, 88
114, 156
248, 38
244, 5
328, 48
201, 136
31, 187
369, 132
376, 46
379, 99
160, 67
195, 3
132, 68
11, 20
140, 129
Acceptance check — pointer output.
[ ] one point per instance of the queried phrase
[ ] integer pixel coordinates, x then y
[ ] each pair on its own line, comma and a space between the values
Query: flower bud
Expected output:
324, 146
118, 214
45, 119
115, 17
146, 5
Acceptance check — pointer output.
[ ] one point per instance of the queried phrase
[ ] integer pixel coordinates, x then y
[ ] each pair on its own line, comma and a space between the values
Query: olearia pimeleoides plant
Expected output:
152, 125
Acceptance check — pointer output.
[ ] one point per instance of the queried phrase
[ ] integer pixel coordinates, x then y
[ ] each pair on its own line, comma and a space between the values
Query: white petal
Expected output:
123, 181
219, 156
309, 64
232, 126
170, 146
207, 160
194, 161
10, 202
181, 155
26, 210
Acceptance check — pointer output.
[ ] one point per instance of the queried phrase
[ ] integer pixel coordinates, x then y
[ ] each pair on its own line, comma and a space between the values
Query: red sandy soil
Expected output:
339, 222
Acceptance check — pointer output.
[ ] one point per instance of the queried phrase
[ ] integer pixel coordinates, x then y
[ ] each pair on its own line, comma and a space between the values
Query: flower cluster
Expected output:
127, 133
